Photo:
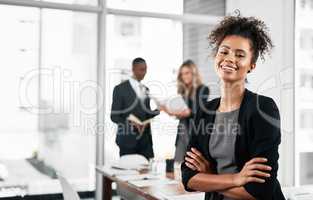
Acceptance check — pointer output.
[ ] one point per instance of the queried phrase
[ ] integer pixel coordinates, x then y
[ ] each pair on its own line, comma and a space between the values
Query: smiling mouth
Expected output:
228, 68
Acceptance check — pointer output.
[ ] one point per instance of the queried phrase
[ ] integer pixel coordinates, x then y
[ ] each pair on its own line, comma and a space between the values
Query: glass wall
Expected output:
50, 83
304, 92
49, 60
159, 42
164, 44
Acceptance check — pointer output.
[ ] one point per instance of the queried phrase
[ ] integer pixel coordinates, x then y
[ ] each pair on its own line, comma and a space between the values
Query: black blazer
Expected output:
194, 104
259, 136
125, 102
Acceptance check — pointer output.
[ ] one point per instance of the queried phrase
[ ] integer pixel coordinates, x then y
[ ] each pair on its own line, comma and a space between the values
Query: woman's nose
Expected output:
230, 57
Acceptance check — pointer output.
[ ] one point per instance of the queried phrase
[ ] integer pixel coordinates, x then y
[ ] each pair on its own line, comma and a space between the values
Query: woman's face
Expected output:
186, 75
233, 59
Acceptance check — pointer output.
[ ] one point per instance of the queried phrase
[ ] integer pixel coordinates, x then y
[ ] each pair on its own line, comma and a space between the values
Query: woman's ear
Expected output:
252, 67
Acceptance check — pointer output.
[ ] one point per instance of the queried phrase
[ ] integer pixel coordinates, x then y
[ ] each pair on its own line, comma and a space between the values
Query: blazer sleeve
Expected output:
201, 100
203, 97
186, 172
117, 107
265, 137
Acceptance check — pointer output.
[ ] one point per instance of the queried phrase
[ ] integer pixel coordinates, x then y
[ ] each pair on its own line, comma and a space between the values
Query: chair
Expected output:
68, 192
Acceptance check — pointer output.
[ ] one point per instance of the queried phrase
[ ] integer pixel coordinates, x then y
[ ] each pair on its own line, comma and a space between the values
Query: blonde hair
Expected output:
196, 80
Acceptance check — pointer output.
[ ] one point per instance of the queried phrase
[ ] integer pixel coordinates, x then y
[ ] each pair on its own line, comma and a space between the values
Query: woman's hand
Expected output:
195, 161
253, 171
164, 109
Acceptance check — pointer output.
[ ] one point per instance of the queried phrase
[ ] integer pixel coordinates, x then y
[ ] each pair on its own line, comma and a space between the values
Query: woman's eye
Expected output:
240, 56
223, 52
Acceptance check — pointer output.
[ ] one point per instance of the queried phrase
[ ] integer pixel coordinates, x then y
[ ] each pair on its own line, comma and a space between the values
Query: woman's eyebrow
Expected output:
236, 50
225, 46
240, 50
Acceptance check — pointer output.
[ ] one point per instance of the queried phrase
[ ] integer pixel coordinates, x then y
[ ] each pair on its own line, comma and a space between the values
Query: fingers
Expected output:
198, 155
193, 162
256, 170
255, 179
256, 160
195, 151
255, 173
190, 166
261, 167
194, 156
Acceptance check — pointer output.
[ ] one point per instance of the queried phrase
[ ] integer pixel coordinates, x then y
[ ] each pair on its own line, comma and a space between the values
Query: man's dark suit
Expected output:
129, 140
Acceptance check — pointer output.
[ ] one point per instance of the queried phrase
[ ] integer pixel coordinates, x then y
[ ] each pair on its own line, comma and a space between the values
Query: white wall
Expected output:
275, 77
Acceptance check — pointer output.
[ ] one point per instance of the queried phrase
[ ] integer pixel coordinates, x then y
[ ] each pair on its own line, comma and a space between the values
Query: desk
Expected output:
155, 192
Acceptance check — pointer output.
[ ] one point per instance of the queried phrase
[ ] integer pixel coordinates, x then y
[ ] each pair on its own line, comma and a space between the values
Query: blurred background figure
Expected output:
131, 98
194, 93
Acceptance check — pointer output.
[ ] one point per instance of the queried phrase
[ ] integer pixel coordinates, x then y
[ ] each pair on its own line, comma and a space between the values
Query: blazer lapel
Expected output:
131, 92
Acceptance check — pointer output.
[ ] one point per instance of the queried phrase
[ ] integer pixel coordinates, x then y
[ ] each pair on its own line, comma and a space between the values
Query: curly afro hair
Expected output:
247, 27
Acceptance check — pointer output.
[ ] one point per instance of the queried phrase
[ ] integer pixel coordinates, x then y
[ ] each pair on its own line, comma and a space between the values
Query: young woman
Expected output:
195, 94
233, 152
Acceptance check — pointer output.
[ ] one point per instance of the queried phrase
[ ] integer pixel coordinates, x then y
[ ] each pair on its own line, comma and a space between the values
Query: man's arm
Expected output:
117, 107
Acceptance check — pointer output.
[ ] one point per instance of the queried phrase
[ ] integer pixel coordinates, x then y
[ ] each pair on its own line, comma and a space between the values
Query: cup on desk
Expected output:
169, 165
177, 171
153, 166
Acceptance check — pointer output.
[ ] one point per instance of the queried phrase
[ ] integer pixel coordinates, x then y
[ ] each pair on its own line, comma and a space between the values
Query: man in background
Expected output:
131, 97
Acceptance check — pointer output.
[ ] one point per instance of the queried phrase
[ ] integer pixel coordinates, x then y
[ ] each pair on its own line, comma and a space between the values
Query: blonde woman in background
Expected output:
191, 88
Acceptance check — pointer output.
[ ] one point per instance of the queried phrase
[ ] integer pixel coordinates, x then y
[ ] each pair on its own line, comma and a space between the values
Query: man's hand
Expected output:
140, 128
195, 161
253, 171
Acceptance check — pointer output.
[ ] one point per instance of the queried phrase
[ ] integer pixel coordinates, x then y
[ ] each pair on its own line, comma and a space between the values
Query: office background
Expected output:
61, 59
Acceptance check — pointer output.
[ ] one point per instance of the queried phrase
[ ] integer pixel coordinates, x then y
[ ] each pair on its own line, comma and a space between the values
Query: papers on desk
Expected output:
138, 177
298, 193
145, 183
187, 196
116, 172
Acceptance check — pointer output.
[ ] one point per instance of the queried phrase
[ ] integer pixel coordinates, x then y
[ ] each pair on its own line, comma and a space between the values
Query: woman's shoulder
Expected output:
211, 106
202, 88
257, 103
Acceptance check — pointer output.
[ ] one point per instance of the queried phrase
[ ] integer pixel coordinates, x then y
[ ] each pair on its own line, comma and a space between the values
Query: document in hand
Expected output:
175, 104
136, 120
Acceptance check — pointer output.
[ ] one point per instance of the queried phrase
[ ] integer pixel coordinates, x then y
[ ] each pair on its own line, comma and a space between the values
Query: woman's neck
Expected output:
231, 96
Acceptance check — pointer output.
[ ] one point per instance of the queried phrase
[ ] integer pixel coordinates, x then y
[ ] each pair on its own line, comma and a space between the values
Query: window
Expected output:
62, 45
204, 7
304, 97
306, 119
49, 79
159, 42
303, 4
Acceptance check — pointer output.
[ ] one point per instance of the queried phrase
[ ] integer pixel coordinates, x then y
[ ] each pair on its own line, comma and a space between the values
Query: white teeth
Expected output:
228, 68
